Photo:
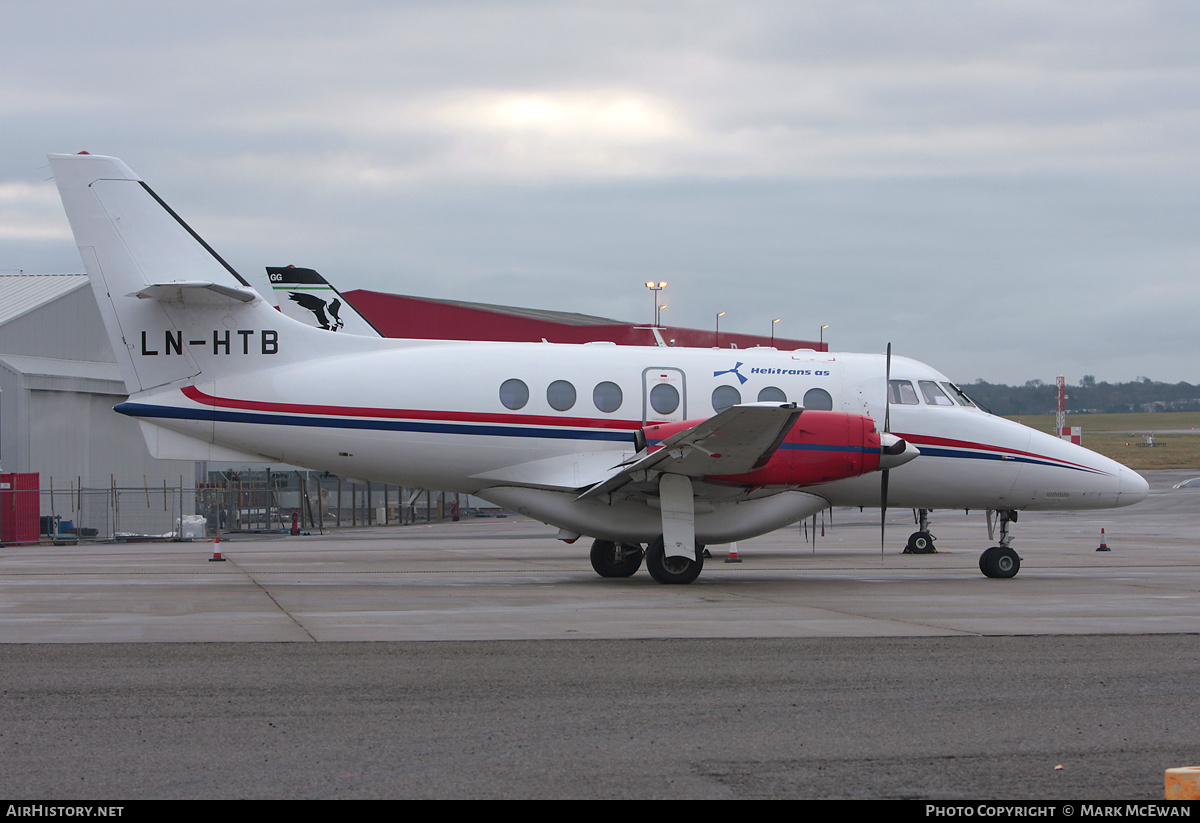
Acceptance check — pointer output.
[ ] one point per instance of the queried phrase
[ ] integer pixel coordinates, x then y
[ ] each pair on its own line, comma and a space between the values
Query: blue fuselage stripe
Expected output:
255, 418
933, 451
143, 410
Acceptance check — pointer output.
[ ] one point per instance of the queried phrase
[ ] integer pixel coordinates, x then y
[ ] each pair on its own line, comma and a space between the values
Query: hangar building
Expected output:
58, 384
424, 318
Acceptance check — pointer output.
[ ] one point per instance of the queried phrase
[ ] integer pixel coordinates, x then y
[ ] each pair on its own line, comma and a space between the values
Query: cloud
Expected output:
31, 212
996, 187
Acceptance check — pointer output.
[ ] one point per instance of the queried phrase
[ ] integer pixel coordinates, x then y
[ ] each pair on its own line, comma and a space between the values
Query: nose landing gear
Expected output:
1001, 561
921, 541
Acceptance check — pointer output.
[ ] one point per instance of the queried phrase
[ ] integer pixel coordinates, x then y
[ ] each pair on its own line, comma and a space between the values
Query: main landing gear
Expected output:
611, 559
1001, 561
672, 569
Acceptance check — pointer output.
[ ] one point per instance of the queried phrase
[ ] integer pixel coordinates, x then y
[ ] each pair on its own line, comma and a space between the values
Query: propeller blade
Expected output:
887, 393
883, 496
887, 428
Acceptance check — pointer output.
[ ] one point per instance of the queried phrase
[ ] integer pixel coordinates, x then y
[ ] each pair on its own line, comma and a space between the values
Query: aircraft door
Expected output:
664, 396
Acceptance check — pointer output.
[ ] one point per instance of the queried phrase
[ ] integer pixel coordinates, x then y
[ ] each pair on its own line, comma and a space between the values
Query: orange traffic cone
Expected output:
733, 555
1103, 543
217, 551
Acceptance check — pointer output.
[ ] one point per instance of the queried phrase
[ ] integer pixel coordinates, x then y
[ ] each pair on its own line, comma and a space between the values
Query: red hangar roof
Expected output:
397, 315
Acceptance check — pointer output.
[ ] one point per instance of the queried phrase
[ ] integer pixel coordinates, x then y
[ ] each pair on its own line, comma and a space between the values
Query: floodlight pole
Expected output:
655, 288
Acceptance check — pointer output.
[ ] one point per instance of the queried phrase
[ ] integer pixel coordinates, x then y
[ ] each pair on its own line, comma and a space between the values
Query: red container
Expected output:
19, 507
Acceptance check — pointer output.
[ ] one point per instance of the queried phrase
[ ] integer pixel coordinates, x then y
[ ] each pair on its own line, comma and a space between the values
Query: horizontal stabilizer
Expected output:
201, 292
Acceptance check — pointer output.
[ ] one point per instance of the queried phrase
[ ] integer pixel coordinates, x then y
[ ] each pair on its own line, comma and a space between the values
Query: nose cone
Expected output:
895, 451
1082, 479
1133, 487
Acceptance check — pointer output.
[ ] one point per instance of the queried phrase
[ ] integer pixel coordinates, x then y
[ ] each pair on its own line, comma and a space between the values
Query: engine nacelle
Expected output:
821, 446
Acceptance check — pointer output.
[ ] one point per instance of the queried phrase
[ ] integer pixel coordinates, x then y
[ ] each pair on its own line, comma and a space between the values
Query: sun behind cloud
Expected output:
617, 116
590, 131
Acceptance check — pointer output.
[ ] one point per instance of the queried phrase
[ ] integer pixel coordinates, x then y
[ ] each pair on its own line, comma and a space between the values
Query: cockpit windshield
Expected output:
933, 395
959, 395
901, 392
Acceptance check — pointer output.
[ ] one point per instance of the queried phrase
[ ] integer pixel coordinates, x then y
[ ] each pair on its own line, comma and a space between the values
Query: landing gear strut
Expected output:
611, 559
1001, 561
921, 541
672, 569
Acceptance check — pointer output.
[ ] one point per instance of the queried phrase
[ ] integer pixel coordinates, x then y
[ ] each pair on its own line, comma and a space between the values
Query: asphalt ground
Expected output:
486, 659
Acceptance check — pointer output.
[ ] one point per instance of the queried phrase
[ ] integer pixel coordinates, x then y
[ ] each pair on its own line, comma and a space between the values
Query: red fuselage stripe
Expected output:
919, 440
193, 393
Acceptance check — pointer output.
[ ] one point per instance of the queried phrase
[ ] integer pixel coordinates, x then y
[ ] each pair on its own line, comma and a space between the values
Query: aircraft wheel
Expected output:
920, 543
672, 569
999, 561
985, 558
611, 559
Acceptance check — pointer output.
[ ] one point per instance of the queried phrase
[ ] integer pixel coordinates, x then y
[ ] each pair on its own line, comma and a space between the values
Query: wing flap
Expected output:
566, 471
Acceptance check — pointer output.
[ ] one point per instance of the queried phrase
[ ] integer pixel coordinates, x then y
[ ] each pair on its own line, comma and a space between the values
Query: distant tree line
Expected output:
1036, 397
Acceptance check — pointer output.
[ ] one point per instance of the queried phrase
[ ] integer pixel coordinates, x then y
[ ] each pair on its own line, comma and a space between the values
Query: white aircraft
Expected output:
673, 448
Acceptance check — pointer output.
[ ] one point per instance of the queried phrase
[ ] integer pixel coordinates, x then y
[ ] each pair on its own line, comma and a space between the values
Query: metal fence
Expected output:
249, 502
114, 512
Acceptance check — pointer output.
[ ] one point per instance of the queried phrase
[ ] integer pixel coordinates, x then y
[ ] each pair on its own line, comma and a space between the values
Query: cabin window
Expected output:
818, 400
514, 394
958, 395
560, 395
933, 395
902, 393
772, 394
725, 396
607, 396
664, 398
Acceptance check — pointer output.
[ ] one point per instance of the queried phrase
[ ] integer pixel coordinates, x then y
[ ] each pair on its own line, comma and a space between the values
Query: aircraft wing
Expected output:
735, 441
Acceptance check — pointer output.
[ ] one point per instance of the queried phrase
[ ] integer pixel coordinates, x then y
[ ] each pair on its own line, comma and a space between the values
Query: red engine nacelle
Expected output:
822, 446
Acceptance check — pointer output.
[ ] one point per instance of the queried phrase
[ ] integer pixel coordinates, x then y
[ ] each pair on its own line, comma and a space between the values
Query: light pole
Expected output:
720, 314
823, 328
656, 288
773, 322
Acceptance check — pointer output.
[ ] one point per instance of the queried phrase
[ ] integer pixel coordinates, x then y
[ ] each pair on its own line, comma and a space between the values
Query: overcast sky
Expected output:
1004, 190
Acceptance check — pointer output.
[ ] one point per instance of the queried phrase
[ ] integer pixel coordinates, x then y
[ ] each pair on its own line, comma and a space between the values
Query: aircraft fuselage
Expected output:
450, 416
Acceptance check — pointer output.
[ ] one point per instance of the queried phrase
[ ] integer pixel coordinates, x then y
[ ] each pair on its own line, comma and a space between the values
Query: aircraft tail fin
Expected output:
304, 295
173, 308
